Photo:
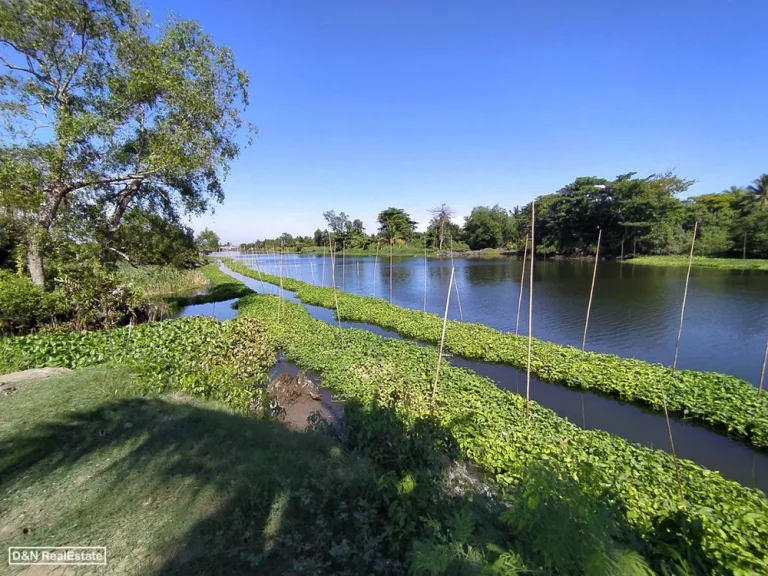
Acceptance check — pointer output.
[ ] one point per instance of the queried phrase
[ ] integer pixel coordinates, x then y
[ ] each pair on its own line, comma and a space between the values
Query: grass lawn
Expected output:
168, 484
701, 261
172, 485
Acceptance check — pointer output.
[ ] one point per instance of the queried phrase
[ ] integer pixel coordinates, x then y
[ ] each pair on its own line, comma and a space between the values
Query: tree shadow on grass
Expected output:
202, 491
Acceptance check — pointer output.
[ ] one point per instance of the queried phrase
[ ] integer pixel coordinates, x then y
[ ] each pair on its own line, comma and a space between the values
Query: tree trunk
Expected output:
43, 226
124, 200
35, 262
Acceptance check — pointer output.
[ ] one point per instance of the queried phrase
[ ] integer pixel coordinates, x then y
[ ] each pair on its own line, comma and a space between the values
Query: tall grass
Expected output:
160, 281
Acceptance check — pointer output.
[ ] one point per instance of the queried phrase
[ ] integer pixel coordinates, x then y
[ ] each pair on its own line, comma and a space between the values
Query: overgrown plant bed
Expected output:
221, 287
701, 261
722, 402
721, 526
224, 361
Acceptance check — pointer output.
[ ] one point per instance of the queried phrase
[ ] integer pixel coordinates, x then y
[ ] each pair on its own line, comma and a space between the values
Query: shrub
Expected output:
24, 306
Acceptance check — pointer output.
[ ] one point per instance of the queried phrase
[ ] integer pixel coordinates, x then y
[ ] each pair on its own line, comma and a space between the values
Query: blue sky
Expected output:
365, 104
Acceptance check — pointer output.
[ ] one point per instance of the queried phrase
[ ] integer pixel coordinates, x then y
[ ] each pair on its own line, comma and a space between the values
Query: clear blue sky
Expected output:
364, 104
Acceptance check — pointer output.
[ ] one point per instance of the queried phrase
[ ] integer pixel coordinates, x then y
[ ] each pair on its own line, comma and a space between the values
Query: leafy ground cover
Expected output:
221, 287
226, 361
724, 403
701, 261
721, 526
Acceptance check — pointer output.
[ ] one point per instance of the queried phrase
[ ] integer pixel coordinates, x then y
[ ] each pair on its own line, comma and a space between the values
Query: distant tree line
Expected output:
636, 215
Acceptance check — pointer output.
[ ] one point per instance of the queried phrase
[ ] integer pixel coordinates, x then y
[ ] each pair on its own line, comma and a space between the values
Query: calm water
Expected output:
732, 458
635, 311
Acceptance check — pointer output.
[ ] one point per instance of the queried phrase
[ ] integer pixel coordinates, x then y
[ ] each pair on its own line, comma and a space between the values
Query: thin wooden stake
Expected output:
256, 263
456, 285
744, 257
390, 272
333, 279
674, 367
322, 281
425, 275
634, 247
358, 277
762, 372
685, 296
442, 337
520, 296
592, 290
343, 265
312, 270
530, 315
375, 261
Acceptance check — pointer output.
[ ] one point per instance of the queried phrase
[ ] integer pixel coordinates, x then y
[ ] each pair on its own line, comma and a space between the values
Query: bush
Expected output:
24, 306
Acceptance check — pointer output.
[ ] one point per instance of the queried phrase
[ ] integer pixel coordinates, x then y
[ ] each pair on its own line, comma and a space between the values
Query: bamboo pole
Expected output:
333, 279
375, 261
674, 367
425, 275
530, 315
634, 247
256, 263
343, 265
744, 257
622, 248
520, 296
685, 296
312, 270
390, 272
322, 282
762, 371
281, 270
456, 286
442, 337
592, 290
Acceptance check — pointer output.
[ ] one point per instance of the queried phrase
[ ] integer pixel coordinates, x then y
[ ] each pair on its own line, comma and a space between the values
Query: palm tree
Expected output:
759, 191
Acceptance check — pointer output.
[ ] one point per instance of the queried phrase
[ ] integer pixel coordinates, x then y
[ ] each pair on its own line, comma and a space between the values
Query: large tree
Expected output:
98, 106
208, 241
395, 224
441, 222
759, 193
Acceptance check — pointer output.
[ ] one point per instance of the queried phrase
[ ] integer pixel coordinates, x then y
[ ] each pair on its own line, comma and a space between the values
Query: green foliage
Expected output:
208, 359
488, 227
208, 241
395, 224
137, 115
222, 287
23, 306
724, 403
147, 238
701, 261
492, 431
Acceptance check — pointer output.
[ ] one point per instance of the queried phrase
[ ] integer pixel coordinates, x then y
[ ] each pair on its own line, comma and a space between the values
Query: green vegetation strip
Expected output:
723, 522
222, 287
701, 261
720, 401
223, 361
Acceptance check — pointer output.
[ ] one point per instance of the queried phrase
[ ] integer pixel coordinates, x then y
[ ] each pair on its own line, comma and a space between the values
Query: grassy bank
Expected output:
161, 281
723, 527
720, 401
221, 287
700, 261
173, 485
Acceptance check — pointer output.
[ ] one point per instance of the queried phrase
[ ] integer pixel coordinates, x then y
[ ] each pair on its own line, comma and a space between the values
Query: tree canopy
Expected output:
99, 109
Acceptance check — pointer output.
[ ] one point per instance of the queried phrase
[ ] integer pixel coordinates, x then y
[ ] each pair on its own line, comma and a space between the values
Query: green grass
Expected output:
161, 281
221, 287
701, 261
168, 484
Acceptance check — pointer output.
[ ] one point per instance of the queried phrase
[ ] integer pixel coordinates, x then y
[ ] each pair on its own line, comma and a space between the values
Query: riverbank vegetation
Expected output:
637, 216
721, 527
701, 262
722, 402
